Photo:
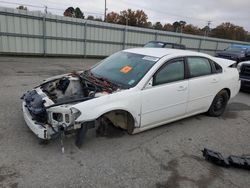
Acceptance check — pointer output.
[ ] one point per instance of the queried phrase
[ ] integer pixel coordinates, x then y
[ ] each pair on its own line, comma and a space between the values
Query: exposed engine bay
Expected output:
76, 87
50, 103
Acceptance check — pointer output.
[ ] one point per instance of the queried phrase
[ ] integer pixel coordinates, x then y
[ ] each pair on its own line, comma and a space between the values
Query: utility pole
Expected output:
105, 10
45, 9
207, 28
209, 23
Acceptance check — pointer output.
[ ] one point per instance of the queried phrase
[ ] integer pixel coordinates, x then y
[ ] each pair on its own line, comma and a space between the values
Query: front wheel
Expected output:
219, 104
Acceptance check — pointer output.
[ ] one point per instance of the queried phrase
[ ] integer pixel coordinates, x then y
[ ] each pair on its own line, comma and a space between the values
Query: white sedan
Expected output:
135, 89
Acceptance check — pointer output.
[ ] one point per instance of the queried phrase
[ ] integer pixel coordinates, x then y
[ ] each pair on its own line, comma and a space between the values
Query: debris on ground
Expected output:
217, 158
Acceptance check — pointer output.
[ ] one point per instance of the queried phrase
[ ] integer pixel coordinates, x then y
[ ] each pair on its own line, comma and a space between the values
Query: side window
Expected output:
218, 68
170, 72
198, 66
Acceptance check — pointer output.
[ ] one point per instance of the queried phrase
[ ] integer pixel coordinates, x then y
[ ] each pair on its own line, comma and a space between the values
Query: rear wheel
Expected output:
219, 104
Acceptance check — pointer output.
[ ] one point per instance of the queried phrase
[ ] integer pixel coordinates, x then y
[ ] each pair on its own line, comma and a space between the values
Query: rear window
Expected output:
217, 67
198, 66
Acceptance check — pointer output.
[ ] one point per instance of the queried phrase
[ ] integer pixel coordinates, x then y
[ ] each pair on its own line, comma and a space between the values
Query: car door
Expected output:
166, 99
204, 84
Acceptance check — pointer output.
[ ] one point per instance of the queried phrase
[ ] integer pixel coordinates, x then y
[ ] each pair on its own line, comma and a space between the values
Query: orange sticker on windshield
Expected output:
125, 69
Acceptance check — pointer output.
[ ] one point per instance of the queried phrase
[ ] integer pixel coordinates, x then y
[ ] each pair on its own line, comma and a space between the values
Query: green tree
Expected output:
79, 13
176, 26
158, 26
179, 25
21, 7
71, 12
182, 24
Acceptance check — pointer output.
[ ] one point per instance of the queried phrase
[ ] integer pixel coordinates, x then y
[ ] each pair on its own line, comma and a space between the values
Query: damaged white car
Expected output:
135, 90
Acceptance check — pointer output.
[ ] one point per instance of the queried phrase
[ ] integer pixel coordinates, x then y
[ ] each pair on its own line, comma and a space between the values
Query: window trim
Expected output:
214, 68
164, 65
186, 69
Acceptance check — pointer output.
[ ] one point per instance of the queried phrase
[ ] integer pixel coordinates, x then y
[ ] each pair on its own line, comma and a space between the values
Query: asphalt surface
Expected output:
167, 156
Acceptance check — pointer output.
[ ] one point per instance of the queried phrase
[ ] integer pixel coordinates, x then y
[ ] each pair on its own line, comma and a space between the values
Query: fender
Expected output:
94, 108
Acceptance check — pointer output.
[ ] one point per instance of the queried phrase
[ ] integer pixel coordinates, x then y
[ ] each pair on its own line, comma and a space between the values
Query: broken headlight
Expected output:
57, 117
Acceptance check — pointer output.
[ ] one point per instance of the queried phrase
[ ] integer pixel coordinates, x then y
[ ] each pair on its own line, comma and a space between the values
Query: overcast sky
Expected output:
196, 12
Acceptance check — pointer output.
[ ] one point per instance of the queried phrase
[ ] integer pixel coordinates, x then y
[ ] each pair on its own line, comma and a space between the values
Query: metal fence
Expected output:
33, 33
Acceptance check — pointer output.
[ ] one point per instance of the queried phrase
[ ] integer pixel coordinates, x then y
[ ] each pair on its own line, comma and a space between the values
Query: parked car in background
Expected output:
236, 52
134, 89
244, 71
160, 44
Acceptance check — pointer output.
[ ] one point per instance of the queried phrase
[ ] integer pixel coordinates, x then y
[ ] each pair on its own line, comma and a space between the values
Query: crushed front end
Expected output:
47, 109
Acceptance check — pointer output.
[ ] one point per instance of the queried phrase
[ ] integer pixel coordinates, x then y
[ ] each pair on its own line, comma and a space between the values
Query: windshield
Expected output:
154, 45
236, 49
124, 68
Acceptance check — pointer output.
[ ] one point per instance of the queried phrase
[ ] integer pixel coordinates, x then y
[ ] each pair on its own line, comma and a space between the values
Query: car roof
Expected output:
160, 52
245, 62
241, 46
163, 42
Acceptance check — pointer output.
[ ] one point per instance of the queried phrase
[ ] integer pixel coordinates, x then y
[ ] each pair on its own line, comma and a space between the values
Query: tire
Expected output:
43, 141
219, 104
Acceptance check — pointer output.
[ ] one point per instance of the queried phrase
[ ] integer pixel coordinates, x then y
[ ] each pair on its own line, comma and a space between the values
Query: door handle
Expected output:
214, 80
181, 88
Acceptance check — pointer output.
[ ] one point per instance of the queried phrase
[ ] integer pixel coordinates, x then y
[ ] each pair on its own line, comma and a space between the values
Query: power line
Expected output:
103, 14
11, 3
163, 12
47, 8
97, 13
67, 5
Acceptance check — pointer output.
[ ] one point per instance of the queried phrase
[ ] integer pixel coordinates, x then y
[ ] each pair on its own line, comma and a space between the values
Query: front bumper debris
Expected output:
41, 130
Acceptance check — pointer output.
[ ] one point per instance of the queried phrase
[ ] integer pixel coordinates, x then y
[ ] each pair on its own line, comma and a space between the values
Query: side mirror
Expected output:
149, 84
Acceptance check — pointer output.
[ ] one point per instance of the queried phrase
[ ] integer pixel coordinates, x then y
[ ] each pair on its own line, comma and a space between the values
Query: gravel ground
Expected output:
167, 156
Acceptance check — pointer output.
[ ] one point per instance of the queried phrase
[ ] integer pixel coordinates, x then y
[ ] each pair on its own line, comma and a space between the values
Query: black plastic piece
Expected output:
239, 162
35, 105
80, 135
231, 161
215, 157
63, 84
